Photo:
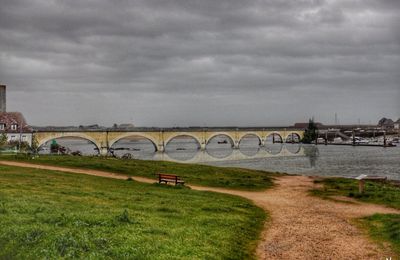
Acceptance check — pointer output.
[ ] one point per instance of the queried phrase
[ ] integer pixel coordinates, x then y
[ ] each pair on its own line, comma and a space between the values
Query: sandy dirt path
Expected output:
302, 226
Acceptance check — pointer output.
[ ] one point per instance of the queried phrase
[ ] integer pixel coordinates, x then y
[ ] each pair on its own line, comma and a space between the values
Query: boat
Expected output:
223, 142
337, 140
180, 149
359, 140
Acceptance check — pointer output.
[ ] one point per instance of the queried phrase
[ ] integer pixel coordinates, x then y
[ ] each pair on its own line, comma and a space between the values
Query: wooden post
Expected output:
384, 139
361, 186
354, 139
326, 137
316, 138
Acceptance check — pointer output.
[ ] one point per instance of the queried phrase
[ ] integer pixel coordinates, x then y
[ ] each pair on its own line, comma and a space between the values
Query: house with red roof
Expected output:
14, 125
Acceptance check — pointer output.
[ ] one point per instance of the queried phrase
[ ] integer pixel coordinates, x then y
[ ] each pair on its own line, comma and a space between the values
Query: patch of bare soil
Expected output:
302, 226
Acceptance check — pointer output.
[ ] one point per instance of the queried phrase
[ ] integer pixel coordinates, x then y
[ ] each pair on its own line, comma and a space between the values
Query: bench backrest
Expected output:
167, 176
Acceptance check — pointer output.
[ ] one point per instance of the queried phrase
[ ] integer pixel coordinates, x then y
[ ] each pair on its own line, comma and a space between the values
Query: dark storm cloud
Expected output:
178, 62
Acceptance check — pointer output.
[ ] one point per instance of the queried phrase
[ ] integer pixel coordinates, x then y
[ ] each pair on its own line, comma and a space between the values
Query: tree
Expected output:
3, 139
35, 144
310, 133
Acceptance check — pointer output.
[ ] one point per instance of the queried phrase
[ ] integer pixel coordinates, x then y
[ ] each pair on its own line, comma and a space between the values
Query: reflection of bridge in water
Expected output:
235, 155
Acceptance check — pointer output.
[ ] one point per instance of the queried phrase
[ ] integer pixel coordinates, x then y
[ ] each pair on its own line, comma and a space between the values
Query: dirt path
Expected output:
307, 227
302, 226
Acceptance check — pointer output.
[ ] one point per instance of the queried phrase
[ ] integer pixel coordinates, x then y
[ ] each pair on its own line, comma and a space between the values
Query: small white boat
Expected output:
337, 140
359, 140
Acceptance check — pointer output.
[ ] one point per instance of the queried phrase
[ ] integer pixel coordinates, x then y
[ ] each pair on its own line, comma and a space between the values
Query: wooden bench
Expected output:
362, 178
169, 178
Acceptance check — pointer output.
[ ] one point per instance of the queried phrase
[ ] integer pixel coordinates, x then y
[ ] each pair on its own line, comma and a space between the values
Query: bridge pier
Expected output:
103, 151
160, 148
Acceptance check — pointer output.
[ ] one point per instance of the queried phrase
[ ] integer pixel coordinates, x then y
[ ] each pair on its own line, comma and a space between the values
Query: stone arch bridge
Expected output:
103, 139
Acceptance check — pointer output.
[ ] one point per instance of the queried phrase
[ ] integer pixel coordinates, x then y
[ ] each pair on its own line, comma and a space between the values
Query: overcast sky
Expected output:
204, 62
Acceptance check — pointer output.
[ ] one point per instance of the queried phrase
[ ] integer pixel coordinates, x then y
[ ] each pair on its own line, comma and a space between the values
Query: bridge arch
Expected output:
126, 135
41, 141
260, 140
292, 134
272, 134
230, 137
183, 134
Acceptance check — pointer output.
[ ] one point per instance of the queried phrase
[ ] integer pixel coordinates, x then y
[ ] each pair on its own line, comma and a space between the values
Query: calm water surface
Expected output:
346, 161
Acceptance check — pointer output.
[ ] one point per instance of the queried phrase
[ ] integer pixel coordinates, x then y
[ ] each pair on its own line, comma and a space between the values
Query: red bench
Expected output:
165, 178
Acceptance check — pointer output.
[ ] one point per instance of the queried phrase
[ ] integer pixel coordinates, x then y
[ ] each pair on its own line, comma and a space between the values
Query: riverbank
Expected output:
304, 226
224, 177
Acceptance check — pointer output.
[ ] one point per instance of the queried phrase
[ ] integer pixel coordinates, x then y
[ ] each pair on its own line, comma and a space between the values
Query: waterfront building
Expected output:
386, 123
396, 125
14, 125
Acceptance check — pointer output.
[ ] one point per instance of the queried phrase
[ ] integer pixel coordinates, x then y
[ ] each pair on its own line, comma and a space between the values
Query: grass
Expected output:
48, 214
383, 228
378, 193
232, 178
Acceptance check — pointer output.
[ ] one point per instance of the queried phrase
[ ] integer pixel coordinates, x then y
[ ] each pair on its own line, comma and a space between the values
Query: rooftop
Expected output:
8, 119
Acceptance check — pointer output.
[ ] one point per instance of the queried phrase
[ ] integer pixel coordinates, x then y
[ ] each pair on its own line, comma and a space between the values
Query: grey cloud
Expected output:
186, 56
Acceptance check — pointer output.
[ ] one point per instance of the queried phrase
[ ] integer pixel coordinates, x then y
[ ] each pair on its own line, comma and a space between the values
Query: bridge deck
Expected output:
160, 129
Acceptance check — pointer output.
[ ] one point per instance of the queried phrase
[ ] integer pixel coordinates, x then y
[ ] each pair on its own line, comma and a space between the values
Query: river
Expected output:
345, 161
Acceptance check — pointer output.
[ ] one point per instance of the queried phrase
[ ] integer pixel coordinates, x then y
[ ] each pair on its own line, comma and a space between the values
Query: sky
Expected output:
201, 62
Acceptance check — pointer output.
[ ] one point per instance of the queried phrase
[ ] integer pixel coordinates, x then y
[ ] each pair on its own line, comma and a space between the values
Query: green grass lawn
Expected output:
48, 214
384, 228
381, 227
378, 193
232, 178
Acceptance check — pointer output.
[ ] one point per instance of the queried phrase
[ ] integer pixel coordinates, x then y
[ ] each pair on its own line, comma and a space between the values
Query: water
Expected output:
345, 161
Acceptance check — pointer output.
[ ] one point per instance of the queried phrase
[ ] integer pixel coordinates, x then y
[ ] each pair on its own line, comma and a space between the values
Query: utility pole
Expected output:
20, 137
384, 138
326, 137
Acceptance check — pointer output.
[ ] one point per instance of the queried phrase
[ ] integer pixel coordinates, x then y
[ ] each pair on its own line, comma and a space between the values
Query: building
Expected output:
14, 125
386, 123
396, 125
2, 98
